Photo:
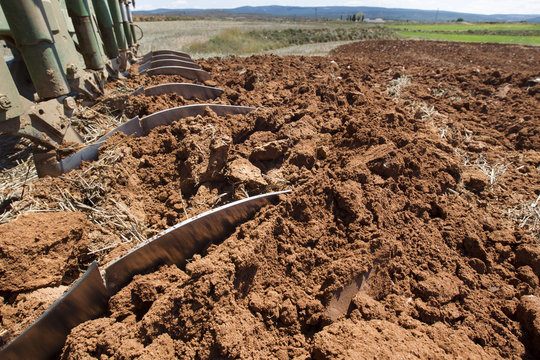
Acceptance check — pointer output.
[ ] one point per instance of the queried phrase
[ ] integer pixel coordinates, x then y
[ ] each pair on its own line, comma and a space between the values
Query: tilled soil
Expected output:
410, 230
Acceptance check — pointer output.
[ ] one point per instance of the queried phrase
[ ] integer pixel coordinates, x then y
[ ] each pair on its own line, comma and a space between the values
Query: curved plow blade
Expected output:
46, 164
188, 73
159, 63
168, 57
186, 90
181, 242
88, 297
167, 117
44, 339
165, 52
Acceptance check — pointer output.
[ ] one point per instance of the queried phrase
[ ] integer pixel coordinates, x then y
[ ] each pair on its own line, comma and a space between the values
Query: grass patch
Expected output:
500, 39
457, 27
515, 33
236, 41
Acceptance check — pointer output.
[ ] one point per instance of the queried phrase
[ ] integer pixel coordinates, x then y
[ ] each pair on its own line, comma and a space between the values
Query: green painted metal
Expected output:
34, 41
114, 7
95, 27
131, 24
105, 23
125, 23
10, 101
90, 48
4, 27
57, 16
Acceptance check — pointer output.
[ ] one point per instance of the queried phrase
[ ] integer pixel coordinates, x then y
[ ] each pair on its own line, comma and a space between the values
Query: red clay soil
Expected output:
401, 237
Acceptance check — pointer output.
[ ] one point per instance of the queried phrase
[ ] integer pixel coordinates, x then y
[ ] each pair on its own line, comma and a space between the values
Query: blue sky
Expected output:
469, 6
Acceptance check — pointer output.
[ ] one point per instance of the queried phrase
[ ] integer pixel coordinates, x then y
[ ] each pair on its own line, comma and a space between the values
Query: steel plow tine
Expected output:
165, 52
171, 52
152, 64
170, 57
191, 74
186, 90
181, 242
167, 117
85, 300
46, 164
145, 66
160, 63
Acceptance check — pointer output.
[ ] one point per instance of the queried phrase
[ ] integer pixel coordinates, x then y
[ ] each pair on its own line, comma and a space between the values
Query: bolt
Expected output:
72, 69
5, 103
69, 103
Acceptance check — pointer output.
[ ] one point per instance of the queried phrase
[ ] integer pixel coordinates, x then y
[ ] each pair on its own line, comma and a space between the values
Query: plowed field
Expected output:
412, 230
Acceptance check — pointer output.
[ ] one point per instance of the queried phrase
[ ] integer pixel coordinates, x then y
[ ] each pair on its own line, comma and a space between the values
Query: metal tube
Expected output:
125, 23
105, 23
34, 41
131, 25
57, 18
80, 14
114, 7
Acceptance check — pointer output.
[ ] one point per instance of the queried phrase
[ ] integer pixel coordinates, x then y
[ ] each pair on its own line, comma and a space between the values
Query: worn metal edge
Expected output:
89, 153
186, 90
166, 52
88, 297
180, 242
152, 64
85, 300
188, 73
166, 57
135, 127
168, 116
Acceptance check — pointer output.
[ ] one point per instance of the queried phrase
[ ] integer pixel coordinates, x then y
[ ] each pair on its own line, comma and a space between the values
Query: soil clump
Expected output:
413, 166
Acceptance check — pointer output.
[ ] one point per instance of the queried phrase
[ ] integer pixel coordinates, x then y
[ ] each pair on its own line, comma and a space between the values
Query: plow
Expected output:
67, 50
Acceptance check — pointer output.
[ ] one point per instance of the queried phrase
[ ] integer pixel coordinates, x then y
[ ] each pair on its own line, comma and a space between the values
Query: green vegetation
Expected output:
501, 39
236, 41
139, 18
511, 33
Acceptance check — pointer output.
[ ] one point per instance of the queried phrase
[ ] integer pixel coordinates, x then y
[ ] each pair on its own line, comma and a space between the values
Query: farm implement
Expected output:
64, 50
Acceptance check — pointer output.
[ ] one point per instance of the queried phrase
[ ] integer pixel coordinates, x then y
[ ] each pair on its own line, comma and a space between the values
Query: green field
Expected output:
511, 33
463, 27
500, 39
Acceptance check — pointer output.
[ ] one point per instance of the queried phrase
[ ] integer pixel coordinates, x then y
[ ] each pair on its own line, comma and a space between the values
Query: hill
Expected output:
336, 12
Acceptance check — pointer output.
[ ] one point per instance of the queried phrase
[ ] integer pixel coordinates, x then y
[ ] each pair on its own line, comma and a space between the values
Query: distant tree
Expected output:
460, 20
353, 18
360, 16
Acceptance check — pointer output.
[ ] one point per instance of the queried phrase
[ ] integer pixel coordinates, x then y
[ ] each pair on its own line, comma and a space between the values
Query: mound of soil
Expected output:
410, 167
41, 253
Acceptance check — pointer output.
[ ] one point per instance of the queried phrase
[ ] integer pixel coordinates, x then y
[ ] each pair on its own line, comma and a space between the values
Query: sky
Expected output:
468, 6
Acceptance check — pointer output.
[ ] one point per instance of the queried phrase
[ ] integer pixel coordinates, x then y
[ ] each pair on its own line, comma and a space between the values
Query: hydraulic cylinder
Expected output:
125, 23
105, 24
114, 7
80, 14
131, 24
34, 41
